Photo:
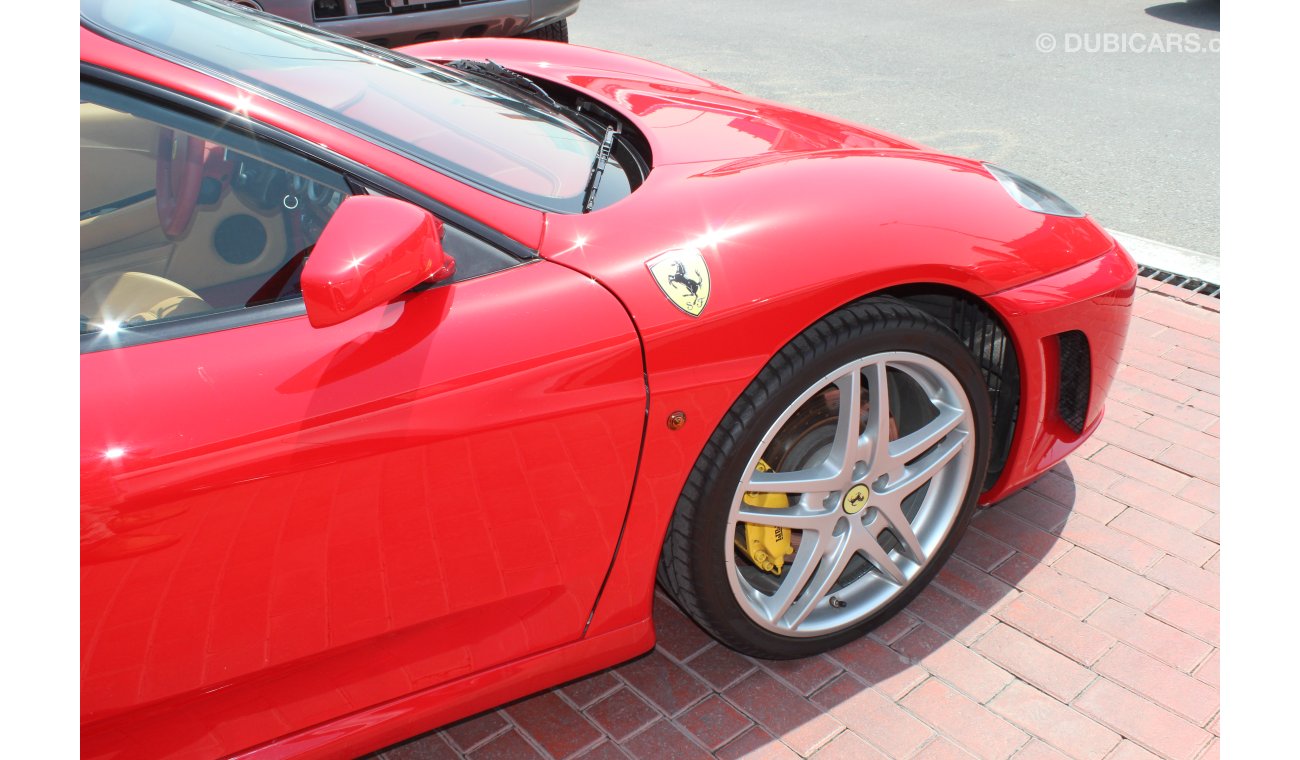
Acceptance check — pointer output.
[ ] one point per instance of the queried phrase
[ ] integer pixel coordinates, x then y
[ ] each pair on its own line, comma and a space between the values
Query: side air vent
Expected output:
1076, 379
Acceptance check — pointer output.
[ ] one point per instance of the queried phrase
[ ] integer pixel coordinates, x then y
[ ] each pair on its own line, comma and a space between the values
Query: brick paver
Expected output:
622, 714
1078, 618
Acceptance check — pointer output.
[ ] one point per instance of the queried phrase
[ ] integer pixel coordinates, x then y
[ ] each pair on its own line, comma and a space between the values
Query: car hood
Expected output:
685, 118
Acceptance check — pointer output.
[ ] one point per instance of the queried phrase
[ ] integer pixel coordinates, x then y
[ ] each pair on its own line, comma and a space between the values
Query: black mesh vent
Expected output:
1076, 379
982, 333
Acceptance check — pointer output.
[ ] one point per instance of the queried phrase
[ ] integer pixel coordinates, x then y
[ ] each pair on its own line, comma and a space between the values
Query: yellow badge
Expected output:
856, 499
683, 276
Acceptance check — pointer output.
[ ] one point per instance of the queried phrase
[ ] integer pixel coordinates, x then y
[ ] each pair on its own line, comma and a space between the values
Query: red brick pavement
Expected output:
1080, 618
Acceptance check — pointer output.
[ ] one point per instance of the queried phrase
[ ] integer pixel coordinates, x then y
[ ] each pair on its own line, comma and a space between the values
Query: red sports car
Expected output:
405, 374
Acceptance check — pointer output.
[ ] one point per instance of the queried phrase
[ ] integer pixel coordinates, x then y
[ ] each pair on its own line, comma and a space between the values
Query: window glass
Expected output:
511, 144
181, 218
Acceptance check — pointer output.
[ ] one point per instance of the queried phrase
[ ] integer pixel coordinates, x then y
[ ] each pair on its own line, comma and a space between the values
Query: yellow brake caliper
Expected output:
766, 545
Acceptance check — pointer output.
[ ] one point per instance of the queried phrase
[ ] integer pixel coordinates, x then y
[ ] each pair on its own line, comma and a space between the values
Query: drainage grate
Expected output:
1182, 281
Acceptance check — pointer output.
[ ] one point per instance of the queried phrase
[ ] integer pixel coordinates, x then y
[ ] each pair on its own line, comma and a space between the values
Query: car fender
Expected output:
810, 232
786, 239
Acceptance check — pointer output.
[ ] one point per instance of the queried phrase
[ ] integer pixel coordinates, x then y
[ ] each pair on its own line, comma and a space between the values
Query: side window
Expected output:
181, 218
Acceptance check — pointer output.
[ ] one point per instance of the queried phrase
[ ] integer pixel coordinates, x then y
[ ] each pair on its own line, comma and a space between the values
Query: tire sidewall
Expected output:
770, 394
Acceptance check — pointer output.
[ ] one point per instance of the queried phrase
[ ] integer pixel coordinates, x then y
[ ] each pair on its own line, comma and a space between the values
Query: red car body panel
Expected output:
685, 119
263, 571
395, 483
1098, 295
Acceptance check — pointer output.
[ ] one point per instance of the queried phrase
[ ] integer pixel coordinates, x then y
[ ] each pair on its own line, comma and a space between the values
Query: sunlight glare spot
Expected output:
579, 242
712, 238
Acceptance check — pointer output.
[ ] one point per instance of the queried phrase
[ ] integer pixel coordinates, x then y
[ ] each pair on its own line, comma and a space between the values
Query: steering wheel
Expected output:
178, 179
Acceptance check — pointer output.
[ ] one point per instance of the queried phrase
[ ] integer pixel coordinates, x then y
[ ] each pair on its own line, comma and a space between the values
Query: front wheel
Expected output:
835, 487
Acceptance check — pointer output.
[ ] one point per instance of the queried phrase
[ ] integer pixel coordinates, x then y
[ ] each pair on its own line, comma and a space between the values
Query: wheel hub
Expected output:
855, 498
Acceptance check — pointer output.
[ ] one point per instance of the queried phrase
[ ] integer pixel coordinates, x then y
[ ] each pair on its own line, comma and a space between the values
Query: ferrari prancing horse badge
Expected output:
684, 277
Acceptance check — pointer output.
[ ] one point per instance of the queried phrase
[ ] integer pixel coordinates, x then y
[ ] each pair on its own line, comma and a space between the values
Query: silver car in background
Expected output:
402, 22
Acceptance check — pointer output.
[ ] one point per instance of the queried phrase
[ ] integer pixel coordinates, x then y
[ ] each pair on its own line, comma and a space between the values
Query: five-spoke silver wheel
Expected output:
874, 460
835, 486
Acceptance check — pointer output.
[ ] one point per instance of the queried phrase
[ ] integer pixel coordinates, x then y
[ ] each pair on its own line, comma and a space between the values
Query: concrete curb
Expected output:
1170, 258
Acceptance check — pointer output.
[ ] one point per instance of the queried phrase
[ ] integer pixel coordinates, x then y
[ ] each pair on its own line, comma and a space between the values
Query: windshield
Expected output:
509, 144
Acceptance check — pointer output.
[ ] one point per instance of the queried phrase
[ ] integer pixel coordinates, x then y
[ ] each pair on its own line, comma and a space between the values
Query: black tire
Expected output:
860, 339
556, 32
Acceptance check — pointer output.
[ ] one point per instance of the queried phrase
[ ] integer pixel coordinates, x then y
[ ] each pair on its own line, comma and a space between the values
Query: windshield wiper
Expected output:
498, 73
598, 168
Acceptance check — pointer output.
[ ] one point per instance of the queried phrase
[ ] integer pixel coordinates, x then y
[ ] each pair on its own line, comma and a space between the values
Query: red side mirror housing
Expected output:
371, 251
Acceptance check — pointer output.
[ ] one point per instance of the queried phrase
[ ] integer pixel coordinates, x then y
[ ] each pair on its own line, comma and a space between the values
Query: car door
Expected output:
280, 524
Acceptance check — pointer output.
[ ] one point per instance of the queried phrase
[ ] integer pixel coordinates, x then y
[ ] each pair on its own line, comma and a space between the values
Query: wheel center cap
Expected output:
856, 498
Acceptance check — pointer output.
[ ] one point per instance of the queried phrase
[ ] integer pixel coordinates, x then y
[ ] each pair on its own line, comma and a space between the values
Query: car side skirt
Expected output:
384, 724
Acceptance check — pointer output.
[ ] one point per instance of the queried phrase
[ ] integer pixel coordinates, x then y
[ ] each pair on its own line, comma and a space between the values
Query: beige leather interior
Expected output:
119, 162
118, 155
196, 261
127, 228
135, 297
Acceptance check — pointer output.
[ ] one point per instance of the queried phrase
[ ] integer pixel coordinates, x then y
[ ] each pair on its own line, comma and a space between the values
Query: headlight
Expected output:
1032, 195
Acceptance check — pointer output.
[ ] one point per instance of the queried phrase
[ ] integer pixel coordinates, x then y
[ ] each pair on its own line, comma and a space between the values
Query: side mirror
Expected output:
371, 251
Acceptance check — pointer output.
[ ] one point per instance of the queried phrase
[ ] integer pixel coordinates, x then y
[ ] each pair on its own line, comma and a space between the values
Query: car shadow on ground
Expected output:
1200, 14
957, 644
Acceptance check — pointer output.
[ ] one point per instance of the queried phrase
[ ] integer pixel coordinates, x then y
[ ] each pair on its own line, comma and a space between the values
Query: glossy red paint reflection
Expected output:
372, 250
305, 522
1096, 297
685, 118
317, 541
